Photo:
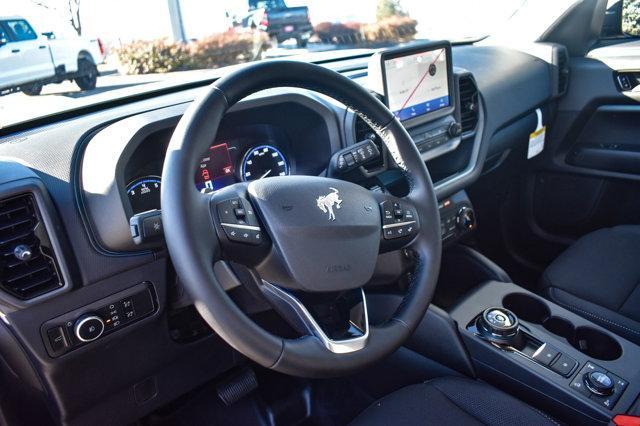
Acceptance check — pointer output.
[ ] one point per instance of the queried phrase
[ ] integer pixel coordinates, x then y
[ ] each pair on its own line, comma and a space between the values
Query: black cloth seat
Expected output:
451, 401
598, 277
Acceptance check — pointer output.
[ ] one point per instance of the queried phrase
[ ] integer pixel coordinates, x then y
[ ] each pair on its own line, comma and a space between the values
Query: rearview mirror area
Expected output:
49, 35
631, 17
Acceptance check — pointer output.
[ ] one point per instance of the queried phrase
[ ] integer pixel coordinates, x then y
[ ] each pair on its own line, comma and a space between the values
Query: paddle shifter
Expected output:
500, 326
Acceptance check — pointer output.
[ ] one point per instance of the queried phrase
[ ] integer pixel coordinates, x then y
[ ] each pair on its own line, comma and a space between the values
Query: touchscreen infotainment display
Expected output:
417, 84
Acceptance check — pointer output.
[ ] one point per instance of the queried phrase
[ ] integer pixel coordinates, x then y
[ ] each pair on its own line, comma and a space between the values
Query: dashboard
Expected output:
93, 173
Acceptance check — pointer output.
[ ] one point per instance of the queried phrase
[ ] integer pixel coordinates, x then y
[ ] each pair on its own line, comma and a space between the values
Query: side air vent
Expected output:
468, 103
363, 131
563, 70
28, 267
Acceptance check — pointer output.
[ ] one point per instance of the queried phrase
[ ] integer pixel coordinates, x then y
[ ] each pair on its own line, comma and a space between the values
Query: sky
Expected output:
119, 21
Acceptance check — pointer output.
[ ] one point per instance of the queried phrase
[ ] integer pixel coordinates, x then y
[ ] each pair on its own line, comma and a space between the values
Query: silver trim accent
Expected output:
335, 346
249, 227
76, 328
395, 225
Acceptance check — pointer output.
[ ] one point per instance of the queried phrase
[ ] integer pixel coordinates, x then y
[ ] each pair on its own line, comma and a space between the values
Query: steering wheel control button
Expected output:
88, 328
599, 383
545, 354
564, 365
397, 220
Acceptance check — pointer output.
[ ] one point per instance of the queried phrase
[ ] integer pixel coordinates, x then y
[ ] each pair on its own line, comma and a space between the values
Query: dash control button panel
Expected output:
398, 220
85, 325
239, 221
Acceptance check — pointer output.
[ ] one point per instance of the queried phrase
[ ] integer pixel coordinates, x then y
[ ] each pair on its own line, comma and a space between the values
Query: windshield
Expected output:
57, 55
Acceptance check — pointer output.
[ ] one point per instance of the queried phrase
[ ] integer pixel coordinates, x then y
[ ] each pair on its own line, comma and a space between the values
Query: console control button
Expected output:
599, 382
578, 385
88, 328
564, 365
545, 354
57, 339
619, 383
607, 401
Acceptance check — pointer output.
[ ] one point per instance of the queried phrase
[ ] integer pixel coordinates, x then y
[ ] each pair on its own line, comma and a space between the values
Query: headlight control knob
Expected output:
466, 218
88, 328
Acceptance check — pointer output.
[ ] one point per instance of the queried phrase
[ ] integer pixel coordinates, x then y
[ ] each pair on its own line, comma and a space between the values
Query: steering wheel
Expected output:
303, 236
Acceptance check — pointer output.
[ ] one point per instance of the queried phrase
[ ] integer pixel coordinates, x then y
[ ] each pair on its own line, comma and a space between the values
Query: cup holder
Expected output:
588, 340
526, 307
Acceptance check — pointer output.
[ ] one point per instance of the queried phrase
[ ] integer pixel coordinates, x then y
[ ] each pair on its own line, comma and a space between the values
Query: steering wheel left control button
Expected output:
88, 328
239, 221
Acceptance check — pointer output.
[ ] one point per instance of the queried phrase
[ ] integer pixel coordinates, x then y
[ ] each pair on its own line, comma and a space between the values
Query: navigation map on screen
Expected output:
417, 84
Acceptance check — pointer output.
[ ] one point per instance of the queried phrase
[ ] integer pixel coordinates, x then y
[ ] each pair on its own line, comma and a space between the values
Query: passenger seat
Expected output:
598, 277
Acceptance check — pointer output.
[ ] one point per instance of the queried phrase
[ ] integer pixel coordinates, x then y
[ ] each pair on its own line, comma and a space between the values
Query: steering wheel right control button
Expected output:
239, 221
398, 220
599, 385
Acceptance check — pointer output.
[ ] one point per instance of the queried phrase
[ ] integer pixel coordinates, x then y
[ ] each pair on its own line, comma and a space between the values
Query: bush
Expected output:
157, 56
631, 17
217, 50
394, 29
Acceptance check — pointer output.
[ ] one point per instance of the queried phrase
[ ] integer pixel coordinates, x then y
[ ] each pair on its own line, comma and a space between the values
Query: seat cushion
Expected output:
598, 277
451, 401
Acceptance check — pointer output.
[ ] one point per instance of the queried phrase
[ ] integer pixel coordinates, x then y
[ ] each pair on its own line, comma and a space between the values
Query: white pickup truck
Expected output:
29, 60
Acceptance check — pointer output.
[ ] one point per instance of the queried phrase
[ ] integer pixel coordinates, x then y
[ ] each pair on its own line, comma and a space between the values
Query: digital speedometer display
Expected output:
144, 194
215, 170
262, 162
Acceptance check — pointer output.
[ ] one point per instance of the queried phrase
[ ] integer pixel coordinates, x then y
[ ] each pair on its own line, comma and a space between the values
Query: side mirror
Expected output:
3, 41
631, 17
49, 35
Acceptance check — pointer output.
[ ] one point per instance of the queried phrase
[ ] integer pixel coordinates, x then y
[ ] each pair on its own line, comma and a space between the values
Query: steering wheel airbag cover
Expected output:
326, 231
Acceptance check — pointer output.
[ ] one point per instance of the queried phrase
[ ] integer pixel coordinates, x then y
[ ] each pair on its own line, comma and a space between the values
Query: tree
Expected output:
72, 7
388, 8
74, 15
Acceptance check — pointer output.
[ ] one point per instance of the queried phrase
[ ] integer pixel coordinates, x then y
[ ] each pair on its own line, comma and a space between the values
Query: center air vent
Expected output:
27, 264
469, 103
364, 131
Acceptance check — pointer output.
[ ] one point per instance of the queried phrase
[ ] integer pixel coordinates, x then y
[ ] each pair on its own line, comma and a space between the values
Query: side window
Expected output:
3, 33
21, 30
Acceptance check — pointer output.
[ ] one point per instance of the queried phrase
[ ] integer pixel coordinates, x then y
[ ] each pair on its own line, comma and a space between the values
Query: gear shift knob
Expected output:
500, 326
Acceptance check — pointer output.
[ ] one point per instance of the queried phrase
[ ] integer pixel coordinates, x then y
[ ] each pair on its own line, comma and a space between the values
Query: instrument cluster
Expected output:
227, 161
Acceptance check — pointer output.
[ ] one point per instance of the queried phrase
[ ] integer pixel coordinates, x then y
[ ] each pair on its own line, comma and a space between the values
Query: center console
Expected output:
573, 368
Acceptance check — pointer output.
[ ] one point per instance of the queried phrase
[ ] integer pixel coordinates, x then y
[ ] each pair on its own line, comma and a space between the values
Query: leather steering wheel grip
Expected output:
193, 244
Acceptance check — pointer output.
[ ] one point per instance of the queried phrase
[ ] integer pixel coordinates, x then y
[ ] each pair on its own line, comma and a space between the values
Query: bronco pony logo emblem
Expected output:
326, 203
